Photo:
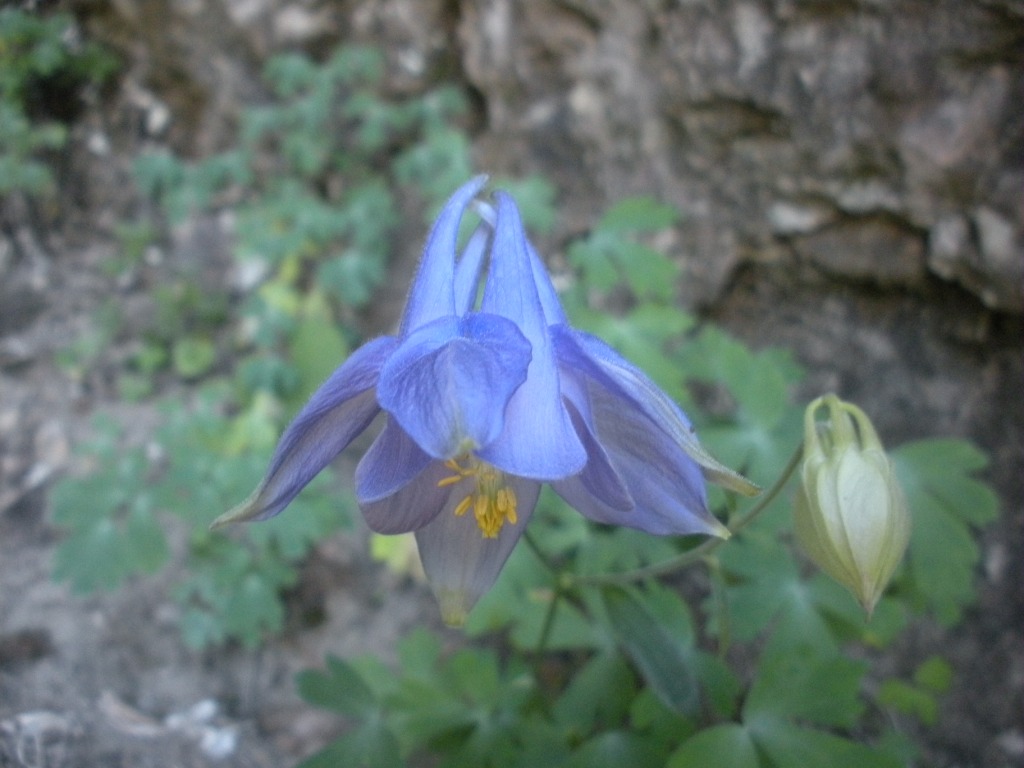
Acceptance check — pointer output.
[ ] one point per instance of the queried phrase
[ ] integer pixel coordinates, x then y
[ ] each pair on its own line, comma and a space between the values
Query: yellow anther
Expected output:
492, 499
463, 505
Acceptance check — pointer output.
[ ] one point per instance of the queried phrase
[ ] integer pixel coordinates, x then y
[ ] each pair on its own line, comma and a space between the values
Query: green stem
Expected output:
724, 629
549, 616
691, 556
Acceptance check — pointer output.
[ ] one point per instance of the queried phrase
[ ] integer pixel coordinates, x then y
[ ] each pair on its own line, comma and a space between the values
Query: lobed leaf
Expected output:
662, 655
946, 503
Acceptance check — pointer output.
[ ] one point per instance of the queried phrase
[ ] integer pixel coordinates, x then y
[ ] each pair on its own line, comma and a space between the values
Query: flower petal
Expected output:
550, 305
460, 563
578, 351
415, 504
340, 409
539, 442
599, 477
449, 382
467, 272
664, 483
392, 461
433, 293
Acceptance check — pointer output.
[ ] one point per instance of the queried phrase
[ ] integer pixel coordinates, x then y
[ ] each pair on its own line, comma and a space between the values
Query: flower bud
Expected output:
851, 517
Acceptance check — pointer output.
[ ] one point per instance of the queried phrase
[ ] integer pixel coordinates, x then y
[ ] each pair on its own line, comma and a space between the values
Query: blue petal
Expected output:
539, 441
665, 483
433, 293
338, 411
467, 273
415, 504
449, 382
578, 351
599, 477
461, 565
391, 462
550, 305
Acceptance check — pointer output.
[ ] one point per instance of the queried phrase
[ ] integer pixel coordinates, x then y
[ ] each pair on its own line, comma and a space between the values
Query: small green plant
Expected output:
311, 173
35, 54
120, 516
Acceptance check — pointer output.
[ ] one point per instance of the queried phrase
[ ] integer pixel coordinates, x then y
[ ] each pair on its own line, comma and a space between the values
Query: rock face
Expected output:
879, 140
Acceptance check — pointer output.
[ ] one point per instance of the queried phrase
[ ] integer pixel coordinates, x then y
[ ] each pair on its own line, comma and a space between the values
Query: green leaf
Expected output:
638, 214
93, 560
719, 683
931, 678
764, 586
649, 273
424, 709
935, 674
796, 684
722, 746
598, 693
650, 717
339, 687
200, 628
609, 256
317, 347
253, 609
476, 675
146, 542
792, 746
615, 749
945, 503
419, 653
846, 616
661, 653
593, 258
437, 165
109, 546
541, 744
908, 699
371, 744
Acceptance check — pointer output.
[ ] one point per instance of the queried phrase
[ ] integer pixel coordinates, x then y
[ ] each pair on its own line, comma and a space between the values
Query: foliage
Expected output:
35, 53
608, 656
117, 518
310, 177
948, 501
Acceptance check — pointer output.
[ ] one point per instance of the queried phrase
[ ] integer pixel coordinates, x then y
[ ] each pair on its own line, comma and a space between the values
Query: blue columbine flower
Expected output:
483, 405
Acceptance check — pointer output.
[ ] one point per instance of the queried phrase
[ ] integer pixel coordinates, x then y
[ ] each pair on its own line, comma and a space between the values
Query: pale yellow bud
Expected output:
851, 517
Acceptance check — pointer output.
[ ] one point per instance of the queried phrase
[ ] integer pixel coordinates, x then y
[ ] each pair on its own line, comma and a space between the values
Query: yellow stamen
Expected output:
493, 500
460, 510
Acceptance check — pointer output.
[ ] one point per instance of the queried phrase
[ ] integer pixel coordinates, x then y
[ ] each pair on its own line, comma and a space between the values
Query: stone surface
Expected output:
768, 119
743, 113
